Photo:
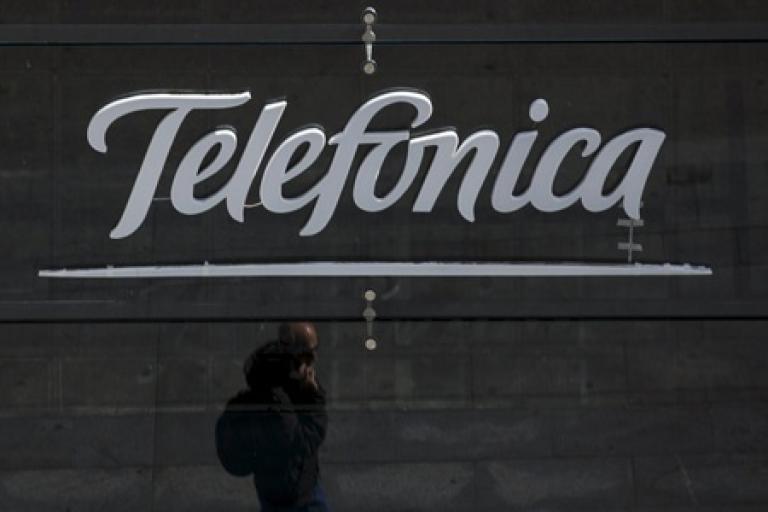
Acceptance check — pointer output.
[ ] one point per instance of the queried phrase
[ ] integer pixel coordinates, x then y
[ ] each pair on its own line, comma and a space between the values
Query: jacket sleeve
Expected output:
303, 420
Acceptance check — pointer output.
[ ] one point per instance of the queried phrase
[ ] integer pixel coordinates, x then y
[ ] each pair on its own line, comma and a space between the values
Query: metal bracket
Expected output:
369, 314
369, 37
630, 246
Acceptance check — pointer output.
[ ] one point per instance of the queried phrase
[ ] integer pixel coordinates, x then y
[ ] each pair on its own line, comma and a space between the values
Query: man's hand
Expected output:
309, 376
306, 375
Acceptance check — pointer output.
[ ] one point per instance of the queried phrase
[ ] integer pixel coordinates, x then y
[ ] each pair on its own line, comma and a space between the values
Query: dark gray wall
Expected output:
704, 203
642, 394
393, 12
549, 415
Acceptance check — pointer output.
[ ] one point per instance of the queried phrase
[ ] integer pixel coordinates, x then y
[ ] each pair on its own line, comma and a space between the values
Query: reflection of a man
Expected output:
274, 429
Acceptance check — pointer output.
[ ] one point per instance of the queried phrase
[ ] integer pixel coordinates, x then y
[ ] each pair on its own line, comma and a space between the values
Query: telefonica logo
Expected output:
283, 166
299, 152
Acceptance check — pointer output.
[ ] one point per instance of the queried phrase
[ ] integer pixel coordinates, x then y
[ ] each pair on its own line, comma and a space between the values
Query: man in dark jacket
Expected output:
274, 429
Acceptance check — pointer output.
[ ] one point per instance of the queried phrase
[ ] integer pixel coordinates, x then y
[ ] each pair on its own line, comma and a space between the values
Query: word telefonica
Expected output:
283, 165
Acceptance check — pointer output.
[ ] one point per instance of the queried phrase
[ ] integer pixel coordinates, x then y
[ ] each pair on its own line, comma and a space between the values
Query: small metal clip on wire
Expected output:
369, 37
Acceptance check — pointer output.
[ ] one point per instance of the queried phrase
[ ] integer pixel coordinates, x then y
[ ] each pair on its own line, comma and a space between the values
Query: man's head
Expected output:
300, 340
292, 356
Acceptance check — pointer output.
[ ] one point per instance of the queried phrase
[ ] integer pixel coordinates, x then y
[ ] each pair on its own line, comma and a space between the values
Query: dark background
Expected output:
643, 394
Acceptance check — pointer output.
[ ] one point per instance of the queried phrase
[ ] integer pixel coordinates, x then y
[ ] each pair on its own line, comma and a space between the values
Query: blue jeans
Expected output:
317, 504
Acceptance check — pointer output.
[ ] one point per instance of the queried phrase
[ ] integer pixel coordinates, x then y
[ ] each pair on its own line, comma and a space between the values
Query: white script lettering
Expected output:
480, 147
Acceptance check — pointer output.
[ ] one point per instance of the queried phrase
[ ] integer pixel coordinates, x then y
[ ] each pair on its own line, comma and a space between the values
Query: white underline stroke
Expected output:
385, 269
